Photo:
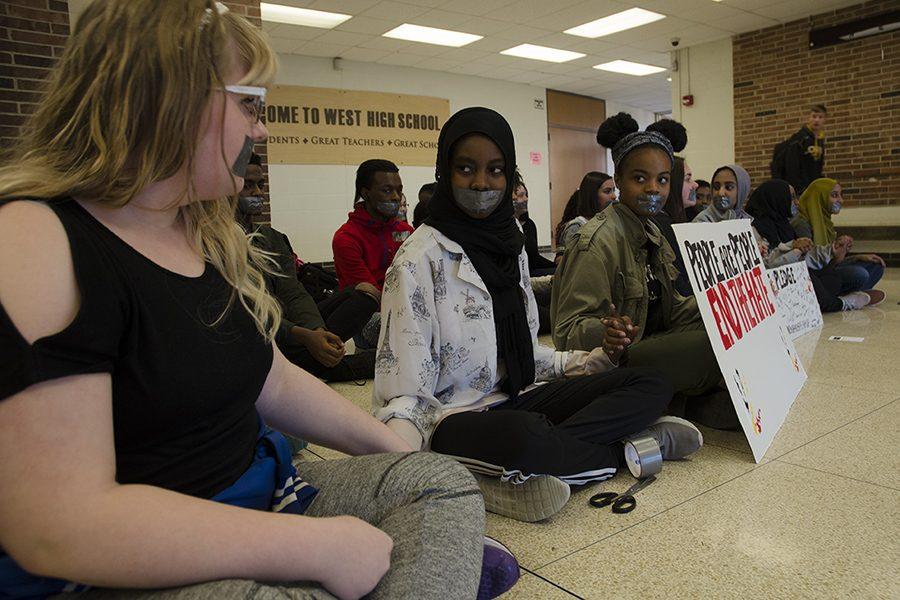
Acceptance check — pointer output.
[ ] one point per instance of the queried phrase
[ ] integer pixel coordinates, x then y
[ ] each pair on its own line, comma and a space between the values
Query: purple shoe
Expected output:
499, 570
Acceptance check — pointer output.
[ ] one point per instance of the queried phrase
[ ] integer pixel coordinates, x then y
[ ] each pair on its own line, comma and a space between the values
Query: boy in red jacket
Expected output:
365, 245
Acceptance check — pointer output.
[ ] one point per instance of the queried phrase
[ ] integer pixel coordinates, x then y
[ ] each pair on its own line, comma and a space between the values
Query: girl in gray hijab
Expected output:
730, 190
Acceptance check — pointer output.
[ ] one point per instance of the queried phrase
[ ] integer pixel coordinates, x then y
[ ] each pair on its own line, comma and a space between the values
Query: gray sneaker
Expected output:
855, 300
676, 437
538, 498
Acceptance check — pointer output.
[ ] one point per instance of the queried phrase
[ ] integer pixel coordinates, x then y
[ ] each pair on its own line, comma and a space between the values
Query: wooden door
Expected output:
572, 123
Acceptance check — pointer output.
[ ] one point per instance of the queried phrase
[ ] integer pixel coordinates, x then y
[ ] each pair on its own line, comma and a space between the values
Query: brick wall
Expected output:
777, 77
32, 36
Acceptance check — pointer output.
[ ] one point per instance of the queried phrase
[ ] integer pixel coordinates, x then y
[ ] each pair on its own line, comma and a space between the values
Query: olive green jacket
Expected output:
606, 263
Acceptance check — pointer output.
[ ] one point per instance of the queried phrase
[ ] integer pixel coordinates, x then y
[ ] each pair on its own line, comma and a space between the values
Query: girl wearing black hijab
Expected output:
458, 358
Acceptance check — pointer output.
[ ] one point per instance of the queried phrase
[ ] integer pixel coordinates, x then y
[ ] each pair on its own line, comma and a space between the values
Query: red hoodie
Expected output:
364, 247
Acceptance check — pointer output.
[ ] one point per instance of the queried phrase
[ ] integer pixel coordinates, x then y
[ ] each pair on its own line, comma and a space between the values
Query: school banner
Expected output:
795, 298
321, 126
755, 353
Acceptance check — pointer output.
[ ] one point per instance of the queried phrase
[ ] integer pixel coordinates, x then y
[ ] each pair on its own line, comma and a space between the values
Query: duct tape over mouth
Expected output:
239, 167
643, 456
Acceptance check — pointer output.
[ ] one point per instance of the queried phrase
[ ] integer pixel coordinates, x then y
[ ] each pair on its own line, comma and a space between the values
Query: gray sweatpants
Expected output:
429, 504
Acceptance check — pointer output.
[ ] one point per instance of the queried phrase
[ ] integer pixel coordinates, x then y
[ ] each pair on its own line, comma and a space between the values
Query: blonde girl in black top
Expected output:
138, 366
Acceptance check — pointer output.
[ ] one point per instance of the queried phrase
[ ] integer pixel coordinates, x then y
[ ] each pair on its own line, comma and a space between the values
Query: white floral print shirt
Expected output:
437, 350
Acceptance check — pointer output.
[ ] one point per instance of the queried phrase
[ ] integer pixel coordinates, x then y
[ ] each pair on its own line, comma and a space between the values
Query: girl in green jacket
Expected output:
614, 286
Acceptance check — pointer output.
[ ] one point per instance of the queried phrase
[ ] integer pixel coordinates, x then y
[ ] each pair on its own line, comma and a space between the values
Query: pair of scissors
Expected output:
624, 503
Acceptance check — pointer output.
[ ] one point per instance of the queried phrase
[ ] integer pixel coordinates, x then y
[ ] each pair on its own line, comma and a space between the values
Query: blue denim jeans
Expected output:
857, 275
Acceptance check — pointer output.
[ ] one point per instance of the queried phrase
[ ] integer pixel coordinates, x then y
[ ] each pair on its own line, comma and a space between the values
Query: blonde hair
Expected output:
123, 109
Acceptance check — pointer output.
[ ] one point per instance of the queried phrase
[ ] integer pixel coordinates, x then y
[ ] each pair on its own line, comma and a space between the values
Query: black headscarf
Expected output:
493, 244
770, 207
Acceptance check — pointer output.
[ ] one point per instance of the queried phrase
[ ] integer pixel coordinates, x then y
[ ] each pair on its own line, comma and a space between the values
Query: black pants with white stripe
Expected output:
571, 428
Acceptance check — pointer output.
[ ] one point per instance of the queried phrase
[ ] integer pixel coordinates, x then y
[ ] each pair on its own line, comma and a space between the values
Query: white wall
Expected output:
706, 72
309, 202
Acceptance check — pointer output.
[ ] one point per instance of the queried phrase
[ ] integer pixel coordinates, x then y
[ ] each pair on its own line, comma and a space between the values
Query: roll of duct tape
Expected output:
643, 456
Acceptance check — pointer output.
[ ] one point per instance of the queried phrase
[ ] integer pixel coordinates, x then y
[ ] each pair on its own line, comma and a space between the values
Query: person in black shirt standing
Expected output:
799, 160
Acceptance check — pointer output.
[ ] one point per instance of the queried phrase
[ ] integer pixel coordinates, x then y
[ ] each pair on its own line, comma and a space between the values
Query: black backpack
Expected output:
318, 282
778, 166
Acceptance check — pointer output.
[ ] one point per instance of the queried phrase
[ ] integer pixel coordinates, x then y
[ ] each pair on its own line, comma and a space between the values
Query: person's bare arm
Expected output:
62, 513
295, 402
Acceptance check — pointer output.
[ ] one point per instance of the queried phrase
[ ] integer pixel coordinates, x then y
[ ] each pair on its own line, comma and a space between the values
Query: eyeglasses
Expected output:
254, 106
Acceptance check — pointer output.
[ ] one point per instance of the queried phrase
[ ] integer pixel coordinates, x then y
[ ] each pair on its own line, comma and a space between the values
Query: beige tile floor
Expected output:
818, 518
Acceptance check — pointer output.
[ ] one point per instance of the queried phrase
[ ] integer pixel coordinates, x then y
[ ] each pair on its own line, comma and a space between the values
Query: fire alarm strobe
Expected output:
687, 100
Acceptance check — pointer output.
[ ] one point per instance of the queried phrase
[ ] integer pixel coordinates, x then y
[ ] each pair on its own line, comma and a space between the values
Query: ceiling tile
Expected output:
595, 46
471, 68
699, 11
566, 17
348, 7
481, 7
342, 38
296, 32
387, 9
491, 44
502, 72
422, 49
314, 48
648, 57
569, 67
425, 3
437, 64
522, 34
796, 9
586, 10
689, 36
401, 59
743, 22
368, 25
441, 19
297, 3
502, 60
482, 26
560, 40
463, 54
364, 54
557, 80
526, 77
751, 5
383, 43
284, 45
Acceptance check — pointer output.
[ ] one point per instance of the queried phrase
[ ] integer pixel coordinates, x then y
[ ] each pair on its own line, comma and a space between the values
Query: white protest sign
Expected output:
795, 298
755, 353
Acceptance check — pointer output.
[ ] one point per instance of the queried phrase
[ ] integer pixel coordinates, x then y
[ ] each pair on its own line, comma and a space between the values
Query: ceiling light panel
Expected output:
431, 35
629, 68
292, 15
627, 19
542, 53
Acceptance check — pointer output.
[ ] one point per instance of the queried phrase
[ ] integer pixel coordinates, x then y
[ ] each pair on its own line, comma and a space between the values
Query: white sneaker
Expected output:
855, 300
538, 498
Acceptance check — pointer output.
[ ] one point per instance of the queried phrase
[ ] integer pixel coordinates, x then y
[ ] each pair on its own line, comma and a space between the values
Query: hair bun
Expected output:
673, 131
615, 128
